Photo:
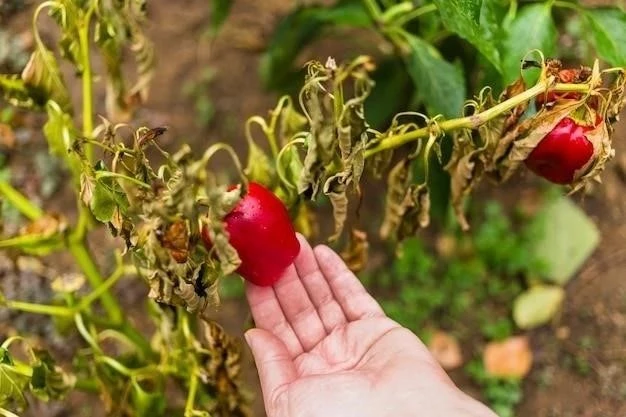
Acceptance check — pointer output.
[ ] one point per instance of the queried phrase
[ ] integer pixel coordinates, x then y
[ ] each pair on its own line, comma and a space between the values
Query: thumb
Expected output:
275, 366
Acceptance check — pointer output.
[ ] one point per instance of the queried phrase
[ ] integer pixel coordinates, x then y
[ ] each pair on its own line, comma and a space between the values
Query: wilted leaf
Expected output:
60, 132
175, 239
355, 254
537, 306
49, 381
446, 350
107, 197
569, 239
335, 188
511, 358
260, 168
44, 80
397, 186
12, 382
466, 170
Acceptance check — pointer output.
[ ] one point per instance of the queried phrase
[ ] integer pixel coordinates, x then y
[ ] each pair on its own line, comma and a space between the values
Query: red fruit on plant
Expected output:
562, 153
261, 231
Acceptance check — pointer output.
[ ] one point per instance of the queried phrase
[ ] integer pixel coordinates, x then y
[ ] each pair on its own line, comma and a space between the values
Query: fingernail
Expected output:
248, 338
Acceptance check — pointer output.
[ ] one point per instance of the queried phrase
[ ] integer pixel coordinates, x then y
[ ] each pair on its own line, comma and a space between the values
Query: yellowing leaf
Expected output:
537, 306
511, 358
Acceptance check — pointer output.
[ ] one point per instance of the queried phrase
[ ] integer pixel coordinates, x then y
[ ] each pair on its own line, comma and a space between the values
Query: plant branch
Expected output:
373, 8
86, 264
19, 201
414, 14
58, 311
477, 120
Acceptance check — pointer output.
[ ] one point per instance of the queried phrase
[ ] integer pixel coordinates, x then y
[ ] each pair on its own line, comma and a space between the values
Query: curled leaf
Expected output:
175, 238
335, 188
43, 78
260, 168
355, 254
398, 183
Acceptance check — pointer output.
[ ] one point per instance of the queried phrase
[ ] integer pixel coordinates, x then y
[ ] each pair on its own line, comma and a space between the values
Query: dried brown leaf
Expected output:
398, 183
511, 358
355, 254
446, 350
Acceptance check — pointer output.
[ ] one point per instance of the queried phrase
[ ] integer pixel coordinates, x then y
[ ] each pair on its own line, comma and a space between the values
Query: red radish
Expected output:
261, 231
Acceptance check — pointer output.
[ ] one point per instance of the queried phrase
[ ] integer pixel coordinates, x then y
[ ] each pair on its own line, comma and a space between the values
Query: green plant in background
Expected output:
502, 394
198, 91
467, 281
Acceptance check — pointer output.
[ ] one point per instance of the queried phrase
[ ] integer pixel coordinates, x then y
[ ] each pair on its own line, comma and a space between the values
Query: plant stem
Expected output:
477, 120
59, 311
373, 8
101, 289
87, 385
414, 14
87, 82
19, 201
83, 258
191, 395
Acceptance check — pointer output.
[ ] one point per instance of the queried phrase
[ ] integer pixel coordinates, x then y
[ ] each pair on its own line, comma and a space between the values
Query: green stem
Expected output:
30, 240
87, 90
191, 395
101, 289
86, 264
414, 14
87, 385
59, 311
373, 9
566, 5
477, 120
19, 201
105, 174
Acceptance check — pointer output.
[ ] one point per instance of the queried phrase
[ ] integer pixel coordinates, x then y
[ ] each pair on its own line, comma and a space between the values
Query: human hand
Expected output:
324, 347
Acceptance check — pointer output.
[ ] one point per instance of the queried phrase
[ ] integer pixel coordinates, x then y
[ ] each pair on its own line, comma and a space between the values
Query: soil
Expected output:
580, 361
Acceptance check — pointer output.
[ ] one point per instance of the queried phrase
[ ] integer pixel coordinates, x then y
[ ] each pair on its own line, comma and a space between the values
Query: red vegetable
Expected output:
562, 153
261, 231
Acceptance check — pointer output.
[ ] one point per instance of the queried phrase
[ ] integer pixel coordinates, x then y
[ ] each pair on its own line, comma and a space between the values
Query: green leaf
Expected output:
12, 381
608, 30
473, 20
219, 13
570, 237
299, 28
440, 84
390, 93
107, 197
537, 306
532, 28
48, 380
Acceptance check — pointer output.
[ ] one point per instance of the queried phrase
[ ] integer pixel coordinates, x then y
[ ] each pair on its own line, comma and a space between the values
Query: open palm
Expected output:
324, 347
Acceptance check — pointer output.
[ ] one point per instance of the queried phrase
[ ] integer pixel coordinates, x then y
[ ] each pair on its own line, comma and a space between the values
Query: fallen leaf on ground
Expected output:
445, 348
511, 358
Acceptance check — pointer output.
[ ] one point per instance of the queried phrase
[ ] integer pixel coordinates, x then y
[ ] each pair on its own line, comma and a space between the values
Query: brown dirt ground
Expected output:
593, 323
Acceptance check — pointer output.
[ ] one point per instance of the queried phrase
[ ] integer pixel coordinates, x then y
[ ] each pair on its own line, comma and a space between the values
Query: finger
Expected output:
328, 308
274, 363
353, 298
298, 308
268, 315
